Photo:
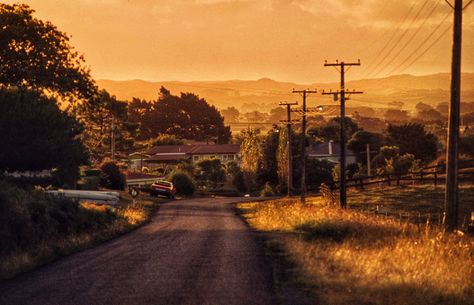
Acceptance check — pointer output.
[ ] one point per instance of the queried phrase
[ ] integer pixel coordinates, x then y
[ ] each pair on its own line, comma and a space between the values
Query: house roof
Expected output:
215, 149
169, 149
322, 149
167, 157
197, 149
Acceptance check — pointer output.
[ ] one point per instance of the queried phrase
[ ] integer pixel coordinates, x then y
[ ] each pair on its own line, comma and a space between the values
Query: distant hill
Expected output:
264, 94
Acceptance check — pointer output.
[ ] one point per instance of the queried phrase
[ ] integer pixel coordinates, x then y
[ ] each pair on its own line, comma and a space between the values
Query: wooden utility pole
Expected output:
288, 143
342, 94
451, 194
304, 93
112, 142
368, 159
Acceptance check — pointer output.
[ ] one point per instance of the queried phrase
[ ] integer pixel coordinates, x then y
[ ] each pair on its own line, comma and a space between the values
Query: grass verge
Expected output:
349, 257
36, 229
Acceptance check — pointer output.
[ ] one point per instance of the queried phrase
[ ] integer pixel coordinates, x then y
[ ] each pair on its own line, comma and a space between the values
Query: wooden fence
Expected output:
432, 174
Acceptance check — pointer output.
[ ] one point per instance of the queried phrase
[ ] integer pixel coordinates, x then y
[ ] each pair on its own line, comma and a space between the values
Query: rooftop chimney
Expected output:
330, 147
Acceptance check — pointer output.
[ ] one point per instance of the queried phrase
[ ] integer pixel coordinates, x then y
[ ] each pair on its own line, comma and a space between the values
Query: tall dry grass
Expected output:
349, 257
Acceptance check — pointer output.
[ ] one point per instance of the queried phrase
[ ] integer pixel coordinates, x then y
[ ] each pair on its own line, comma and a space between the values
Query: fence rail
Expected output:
432, 174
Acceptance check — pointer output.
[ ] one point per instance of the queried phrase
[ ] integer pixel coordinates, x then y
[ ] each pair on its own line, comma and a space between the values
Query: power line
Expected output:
419, 46
410, 39
427, 49
394, 34
397, 41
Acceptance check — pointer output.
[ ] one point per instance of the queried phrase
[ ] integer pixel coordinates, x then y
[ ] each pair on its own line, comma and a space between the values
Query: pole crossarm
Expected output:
288, 103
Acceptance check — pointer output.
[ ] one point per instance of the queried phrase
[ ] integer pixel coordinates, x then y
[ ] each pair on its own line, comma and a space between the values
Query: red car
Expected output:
163, 188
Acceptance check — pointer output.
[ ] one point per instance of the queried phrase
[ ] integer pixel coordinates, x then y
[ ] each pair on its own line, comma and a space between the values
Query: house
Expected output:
166, 156
329, 151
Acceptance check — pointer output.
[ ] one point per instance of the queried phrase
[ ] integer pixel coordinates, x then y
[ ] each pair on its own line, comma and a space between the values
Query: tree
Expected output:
331, 130
412, 138
111, 177
186, 116
277, 114
103, 115
420, 107
36, 55
443, 107
251, 152
37, 135
395, 115
138, 112
210, 172
256, 116
466, 145
166, 139
430, 115
370, 124
230, 114
359, 140
269, 170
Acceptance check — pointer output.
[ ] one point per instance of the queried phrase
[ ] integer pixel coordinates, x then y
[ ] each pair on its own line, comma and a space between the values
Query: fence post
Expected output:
436, 179
421, 176
398, 179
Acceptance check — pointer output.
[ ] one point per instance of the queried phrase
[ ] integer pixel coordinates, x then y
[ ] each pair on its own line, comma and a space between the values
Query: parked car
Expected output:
163, 188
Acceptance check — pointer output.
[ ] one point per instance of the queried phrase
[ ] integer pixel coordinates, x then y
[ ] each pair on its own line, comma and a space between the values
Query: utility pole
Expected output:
112, 144
452, 154
342, 94
288, 143
368, 159
304, 93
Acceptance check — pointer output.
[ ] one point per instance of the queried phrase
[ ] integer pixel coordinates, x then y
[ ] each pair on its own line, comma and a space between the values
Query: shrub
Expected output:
111, 177
183, 182
267, 190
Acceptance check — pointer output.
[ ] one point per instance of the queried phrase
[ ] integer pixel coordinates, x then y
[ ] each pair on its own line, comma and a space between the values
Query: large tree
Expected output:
36, 55
331, 130
37, 135
102, 116
359, 140
412, 138
186, 116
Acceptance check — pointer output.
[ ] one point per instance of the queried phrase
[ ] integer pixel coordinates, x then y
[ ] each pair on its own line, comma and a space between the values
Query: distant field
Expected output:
416, 203
335, 256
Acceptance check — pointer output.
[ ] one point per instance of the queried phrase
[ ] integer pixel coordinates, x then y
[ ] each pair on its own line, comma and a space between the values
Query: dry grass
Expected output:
350, 257
103, 223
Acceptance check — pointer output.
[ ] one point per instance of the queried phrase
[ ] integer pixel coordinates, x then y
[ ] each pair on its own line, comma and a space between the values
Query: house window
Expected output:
196, 158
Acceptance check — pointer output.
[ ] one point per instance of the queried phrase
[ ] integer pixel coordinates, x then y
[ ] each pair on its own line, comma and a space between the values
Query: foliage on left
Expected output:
36, 55
111, 177
37, 135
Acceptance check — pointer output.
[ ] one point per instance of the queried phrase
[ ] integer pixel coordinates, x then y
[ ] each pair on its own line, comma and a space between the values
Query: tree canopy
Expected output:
36, 134
102, 115
36, 55
186, 116
412, 138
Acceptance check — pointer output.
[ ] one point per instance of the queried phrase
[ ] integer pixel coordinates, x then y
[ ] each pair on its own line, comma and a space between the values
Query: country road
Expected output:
194, 251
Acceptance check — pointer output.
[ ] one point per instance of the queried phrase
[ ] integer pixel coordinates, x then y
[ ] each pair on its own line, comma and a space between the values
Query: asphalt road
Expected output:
193, 251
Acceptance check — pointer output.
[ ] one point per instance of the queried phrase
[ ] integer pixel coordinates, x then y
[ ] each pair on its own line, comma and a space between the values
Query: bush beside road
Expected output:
37, 229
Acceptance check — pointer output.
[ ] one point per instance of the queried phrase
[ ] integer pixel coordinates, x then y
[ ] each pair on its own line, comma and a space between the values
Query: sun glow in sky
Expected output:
287, 40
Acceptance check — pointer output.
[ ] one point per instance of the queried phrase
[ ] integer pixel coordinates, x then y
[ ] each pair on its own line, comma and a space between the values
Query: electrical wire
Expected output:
409, 40
394, 34
420, 46
427, 49
377, 66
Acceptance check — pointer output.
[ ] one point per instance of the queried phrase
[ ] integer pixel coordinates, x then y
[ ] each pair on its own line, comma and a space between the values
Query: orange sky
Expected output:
287, 40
